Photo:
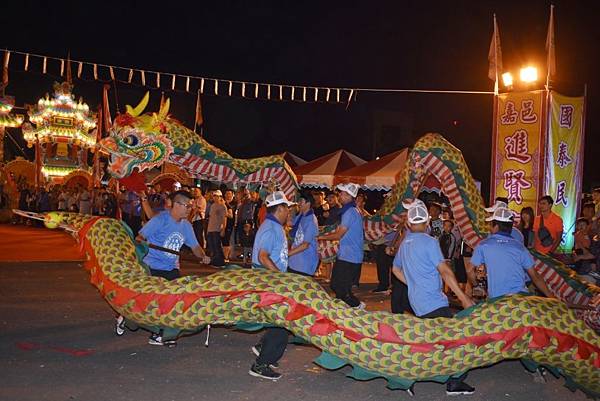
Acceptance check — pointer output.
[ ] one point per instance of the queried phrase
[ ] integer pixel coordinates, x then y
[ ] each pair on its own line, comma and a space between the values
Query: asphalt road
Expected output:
57, 343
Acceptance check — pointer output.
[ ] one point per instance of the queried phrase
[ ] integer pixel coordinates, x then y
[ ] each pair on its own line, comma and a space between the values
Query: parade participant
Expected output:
506, 260
420, 264
548, 227
270, 251
169, 229
217, 222
399, 302
526, 226
503, 202
350, 253
303, 256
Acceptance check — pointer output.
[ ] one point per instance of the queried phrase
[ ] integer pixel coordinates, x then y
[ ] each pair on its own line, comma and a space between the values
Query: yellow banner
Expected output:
564, 161
517, 148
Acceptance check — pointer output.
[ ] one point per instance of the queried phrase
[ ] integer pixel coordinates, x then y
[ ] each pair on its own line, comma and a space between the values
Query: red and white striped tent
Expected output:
321, 172
379, 174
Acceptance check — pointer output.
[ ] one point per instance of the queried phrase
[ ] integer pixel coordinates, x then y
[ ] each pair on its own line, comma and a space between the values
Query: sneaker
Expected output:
360, 306
256, 351
410, 391
460, 388
264, 371
155, 339
379, 290
120, 326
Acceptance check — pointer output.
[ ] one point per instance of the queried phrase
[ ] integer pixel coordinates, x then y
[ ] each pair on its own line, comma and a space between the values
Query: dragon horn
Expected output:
164, 109
140, 107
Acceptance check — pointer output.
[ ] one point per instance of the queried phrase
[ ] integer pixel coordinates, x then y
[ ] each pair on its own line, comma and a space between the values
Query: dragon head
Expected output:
137, 140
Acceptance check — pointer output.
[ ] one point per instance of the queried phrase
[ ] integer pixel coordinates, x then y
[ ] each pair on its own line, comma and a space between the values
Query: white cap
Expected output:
277, 198
217, 192
502, 214
495, 206
417, 212
349, 188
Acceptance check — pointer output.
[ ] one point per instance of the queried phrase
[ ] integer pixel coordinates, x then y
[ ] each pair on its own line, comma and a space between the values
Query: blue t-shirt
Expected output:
419, 256
351, 243
307, 260
506, 261
164, 231
271, 238
518, 235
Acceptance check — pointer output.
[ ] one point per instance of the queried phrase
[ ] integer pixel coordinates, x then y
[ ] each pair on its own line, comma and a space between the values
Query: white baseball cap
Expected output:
502, 214
277, 198
350, 188
417, 211
217, 192
495, 206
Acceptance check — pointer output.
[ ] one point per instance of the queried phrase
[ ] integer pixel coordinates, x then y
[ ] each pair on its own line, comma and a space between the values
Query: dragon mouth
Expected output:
119, 163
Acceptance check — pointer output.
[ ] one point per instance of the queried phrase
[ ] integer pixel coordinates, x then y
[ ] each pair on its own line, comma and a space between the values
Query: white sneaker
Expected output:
360, 306
120, 326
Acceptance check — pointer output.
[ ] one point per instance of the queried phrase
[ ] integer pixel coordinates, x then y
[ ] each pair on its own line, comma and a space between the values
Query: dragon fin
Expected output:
134, 112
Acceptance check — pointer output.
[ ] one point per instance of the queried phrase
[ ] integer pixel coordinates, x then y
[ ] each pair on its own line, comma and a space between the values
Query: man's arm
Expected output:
540, 283
265, 260
334, 236
300, 248
199, 253
449, 278
556, 242
399, 274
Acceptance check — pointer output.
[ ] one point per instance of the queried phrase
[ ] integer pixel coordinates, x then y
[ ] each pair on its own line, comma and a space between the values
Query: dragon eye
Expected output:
130, 140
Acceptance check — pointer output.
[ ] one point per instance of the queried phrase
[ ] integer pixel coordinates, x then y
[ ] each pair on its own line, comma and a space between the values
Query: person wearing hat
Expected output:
420, 264
270, 252
303, 255
217, 222
503, 202
350, 252
506, 260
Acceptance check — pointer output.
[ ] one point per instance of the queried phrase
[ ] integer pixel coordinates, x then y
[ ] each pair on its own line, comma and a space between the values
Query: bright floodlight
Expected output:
507, 79
529, 74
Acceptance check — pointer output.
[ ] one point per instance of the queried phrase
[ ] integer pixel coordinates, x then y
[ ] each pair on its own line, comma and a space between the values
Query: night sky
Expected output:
396, 44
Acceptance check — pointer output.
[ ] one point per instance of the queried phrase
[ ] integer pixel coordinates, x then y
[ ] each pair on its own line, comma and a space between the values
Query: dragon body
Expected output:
400, 348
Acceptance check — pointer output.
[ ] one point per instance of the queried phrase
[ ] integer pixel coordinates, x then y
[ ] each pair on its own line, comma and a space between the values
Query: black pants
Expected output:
445, 312
399, 299
135, 223
213, 240
166, 274
384, 266
273, 345
342, 277
198, 226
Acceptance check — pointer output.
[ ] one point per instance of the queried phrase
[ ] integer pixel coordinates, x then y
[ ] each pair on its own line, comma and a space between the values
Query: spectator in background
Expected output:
361, 201
436, 225
62, 199
247, 242
85, 201
584, 259
526, 226
132, 211
588, 212
333, 213
226, 241
198, 215
448, 240
547, 227
596, 200
319, 206
217, 221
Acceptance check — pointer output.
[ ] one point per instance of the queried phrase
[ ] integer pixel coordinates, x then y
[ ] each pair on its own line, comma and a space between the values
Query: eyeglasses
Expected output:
186, 205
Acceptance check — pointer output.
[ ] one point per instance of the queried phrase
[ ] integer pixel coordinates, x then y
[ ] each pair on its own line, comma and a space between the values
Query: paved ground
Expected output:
49, 312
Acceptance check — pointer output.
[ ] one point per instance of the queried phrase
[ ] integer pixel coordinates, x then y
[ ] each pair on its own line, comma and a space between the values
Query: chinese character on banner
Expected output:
561, 198
565, 119
514, 183
510, 115
528, 116
516, 147
563, 159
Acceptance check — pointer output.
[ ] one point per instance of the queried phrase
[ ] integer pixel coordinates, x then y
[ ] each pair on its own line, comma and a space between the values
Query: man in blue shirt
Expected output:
303, 256
420, 264
350, 251
270, 251
169, 229
506, 260
503, 202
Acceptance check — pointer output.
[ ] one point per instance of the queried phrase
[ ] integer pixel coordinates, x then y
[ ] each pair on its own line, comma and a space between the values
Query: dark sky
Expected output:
396, 44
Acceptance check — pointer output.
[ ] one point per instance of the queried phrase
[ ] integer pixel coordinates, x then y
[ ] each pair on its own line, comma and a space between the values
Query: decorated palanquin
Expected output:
399, 348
